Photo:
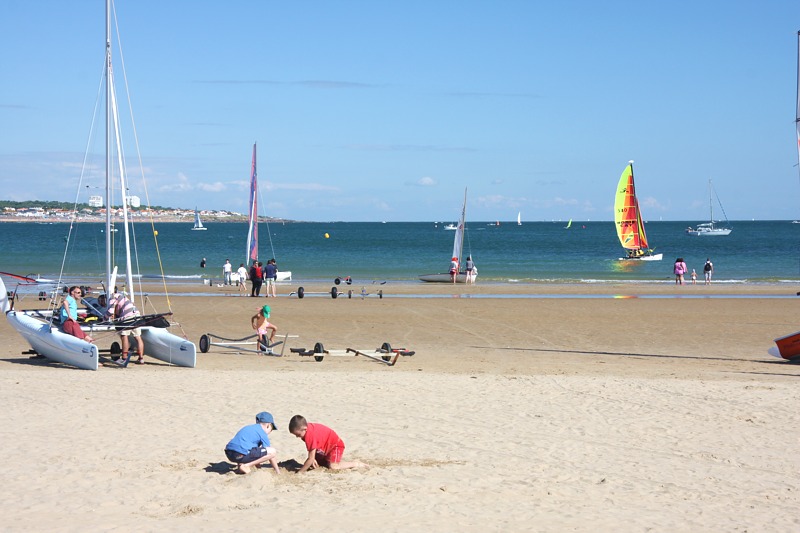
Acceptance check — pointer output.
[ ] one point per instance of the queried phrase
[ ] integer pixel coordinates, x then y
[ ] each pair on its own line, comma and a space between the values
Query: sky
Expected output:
387, 111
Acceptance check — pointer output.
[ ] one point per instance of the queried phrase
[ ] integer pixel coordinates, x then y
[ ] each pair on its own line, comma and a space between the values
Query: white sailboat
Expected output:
458, 248
252, 227
710, 229
39, 326
198, 224
519, 218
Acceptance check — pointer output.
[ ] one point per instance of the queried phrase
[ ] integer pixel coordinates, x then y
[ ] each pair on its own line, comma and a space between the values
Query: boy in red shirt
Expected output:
324, 446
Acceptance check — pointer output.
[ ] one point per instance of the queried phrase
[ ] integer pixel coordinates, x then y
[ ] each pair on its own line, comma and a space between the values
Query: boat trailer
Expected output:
209, 339
385, 354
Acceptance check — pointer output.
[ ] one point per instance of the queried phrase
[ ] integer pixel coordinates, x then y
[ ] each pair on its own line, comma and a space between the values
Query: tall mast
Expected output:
797, 117
109, 288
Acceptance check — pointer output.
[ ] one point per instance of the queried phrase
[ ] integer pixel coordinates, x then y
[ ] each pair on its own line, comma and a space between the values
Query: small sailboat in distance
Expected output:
569, 224
519, 218
458, 248
628, 220
198, 224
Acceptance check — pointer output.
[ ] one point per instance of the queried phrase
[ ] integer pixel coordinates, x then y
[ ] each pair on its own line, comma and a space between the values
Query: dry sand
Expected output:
515, 414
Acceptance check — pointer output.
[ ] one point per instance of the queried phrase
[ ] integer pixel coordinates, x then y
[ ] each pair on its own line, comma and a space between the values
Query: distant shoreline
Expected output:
169, 219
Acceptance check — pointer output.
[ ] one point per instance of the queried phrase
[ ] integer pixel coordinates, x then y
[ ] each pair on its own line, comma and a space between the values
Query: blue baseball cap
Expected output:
266, 418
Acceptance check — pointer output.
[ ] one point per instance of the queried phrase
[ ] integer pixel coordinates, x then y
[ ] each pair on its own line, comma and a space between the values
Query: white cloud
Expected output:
426, 182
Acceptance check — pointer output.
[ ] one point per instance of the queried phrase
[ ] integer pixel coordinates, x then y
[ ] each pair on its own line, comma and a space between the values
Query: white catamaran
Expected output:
40, 327
458, 248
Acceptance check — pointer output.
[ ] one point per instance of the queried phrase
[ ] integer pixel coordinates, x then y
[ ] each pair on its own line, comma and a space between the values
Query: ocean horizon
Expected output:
373, 252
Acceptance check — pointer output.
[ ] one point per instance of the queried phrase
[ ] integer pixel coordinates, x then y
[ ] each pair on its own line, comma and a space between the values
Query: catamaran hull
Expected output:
170, 348
444, 278
656, 257
54, 344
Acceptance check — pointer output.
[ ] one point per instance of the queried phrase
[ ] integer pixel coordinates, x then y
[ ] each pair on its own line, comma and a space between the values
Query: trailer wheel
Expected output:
116, 351
301, 292
386, 348
334, 292
205, 343
337, 281
320, 350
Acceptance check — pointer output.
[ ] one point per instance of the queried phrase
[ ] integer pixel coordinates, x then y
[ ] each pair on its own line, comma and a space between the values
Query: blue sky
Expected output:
371, 111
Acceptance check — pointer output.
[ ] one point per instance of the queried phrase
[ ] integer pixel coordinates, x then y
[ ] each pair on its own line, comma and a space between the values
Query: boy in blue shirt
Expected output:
250, 446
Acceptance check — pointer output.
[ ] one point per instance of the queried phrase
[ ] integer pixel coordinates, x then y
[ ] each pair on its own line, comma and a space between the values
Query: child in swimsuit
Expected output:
260, 322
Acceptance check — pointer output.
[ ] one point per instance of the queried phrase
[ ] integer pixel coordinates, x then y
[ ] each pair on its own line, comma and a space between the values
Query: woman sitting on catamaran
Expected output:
69, 314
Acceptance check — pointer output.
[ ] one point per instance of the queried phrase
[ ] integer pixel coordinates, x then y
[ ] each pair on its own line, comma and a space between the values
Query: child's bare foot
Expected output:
243, 469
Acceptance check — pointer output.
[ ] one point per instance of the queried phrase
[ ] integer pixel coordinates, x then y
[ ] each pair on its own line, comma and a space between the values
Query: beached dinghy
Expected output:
458, 248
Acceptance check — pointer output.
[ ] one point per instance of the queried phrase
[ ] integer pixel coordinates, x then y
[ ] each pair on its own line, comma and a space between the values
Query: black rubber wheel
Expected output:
205, 343
334, 292
337, 281
386, 358
116, 351
301, 292
386, 347
318, 348
262, 346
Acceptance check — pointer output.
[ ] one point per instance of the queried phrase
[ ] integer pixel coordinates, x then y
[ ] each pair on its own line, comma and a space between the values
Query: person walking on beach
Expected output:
251, 447
69, 314
266, 330
324, 446
242, 278
227, 270
120, 308
470, 266
680, 269
256, 278
708, 270
271, 276
694, 277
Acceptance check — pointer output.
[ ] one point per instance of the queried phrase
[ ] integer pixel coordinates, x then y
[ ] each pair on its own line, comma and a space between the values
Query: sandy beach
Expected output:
571, 410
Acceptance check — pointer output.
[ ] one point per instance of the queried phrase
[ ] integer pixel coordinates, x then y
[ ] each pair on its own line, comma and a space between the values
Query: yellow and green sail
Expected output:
628, 218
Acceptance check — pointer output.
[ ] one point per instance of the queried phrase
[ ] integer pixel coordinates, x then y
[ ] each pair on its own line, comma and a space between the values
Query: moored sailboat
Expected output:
628, 220
458, 248
710, 228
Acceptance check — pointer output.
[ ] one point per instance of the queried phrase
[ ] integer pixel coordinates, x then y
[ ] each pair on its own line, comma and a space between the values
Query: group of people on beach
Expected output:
261, 275
471, 271
117, 307
680, 269
251, 446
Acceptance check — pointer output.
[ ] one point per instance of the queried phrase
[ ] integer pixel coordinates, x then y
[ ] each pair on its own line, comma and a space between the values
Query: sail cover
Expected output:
627, 216
252, 236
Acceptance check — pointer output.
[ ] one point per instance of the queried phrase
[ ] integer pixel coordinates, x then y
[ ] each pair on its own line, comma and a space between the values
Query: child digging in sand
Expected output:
324, 446
250, 446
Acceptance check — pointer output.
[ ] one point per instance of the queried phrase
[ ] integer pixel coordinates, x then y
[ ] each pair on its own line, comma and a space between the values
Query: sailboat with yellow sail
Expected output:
628, 220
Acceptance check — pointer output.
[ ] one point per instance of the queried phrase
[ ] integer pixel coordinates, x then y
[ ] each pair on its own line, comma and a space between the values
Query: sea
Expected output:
377, 252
